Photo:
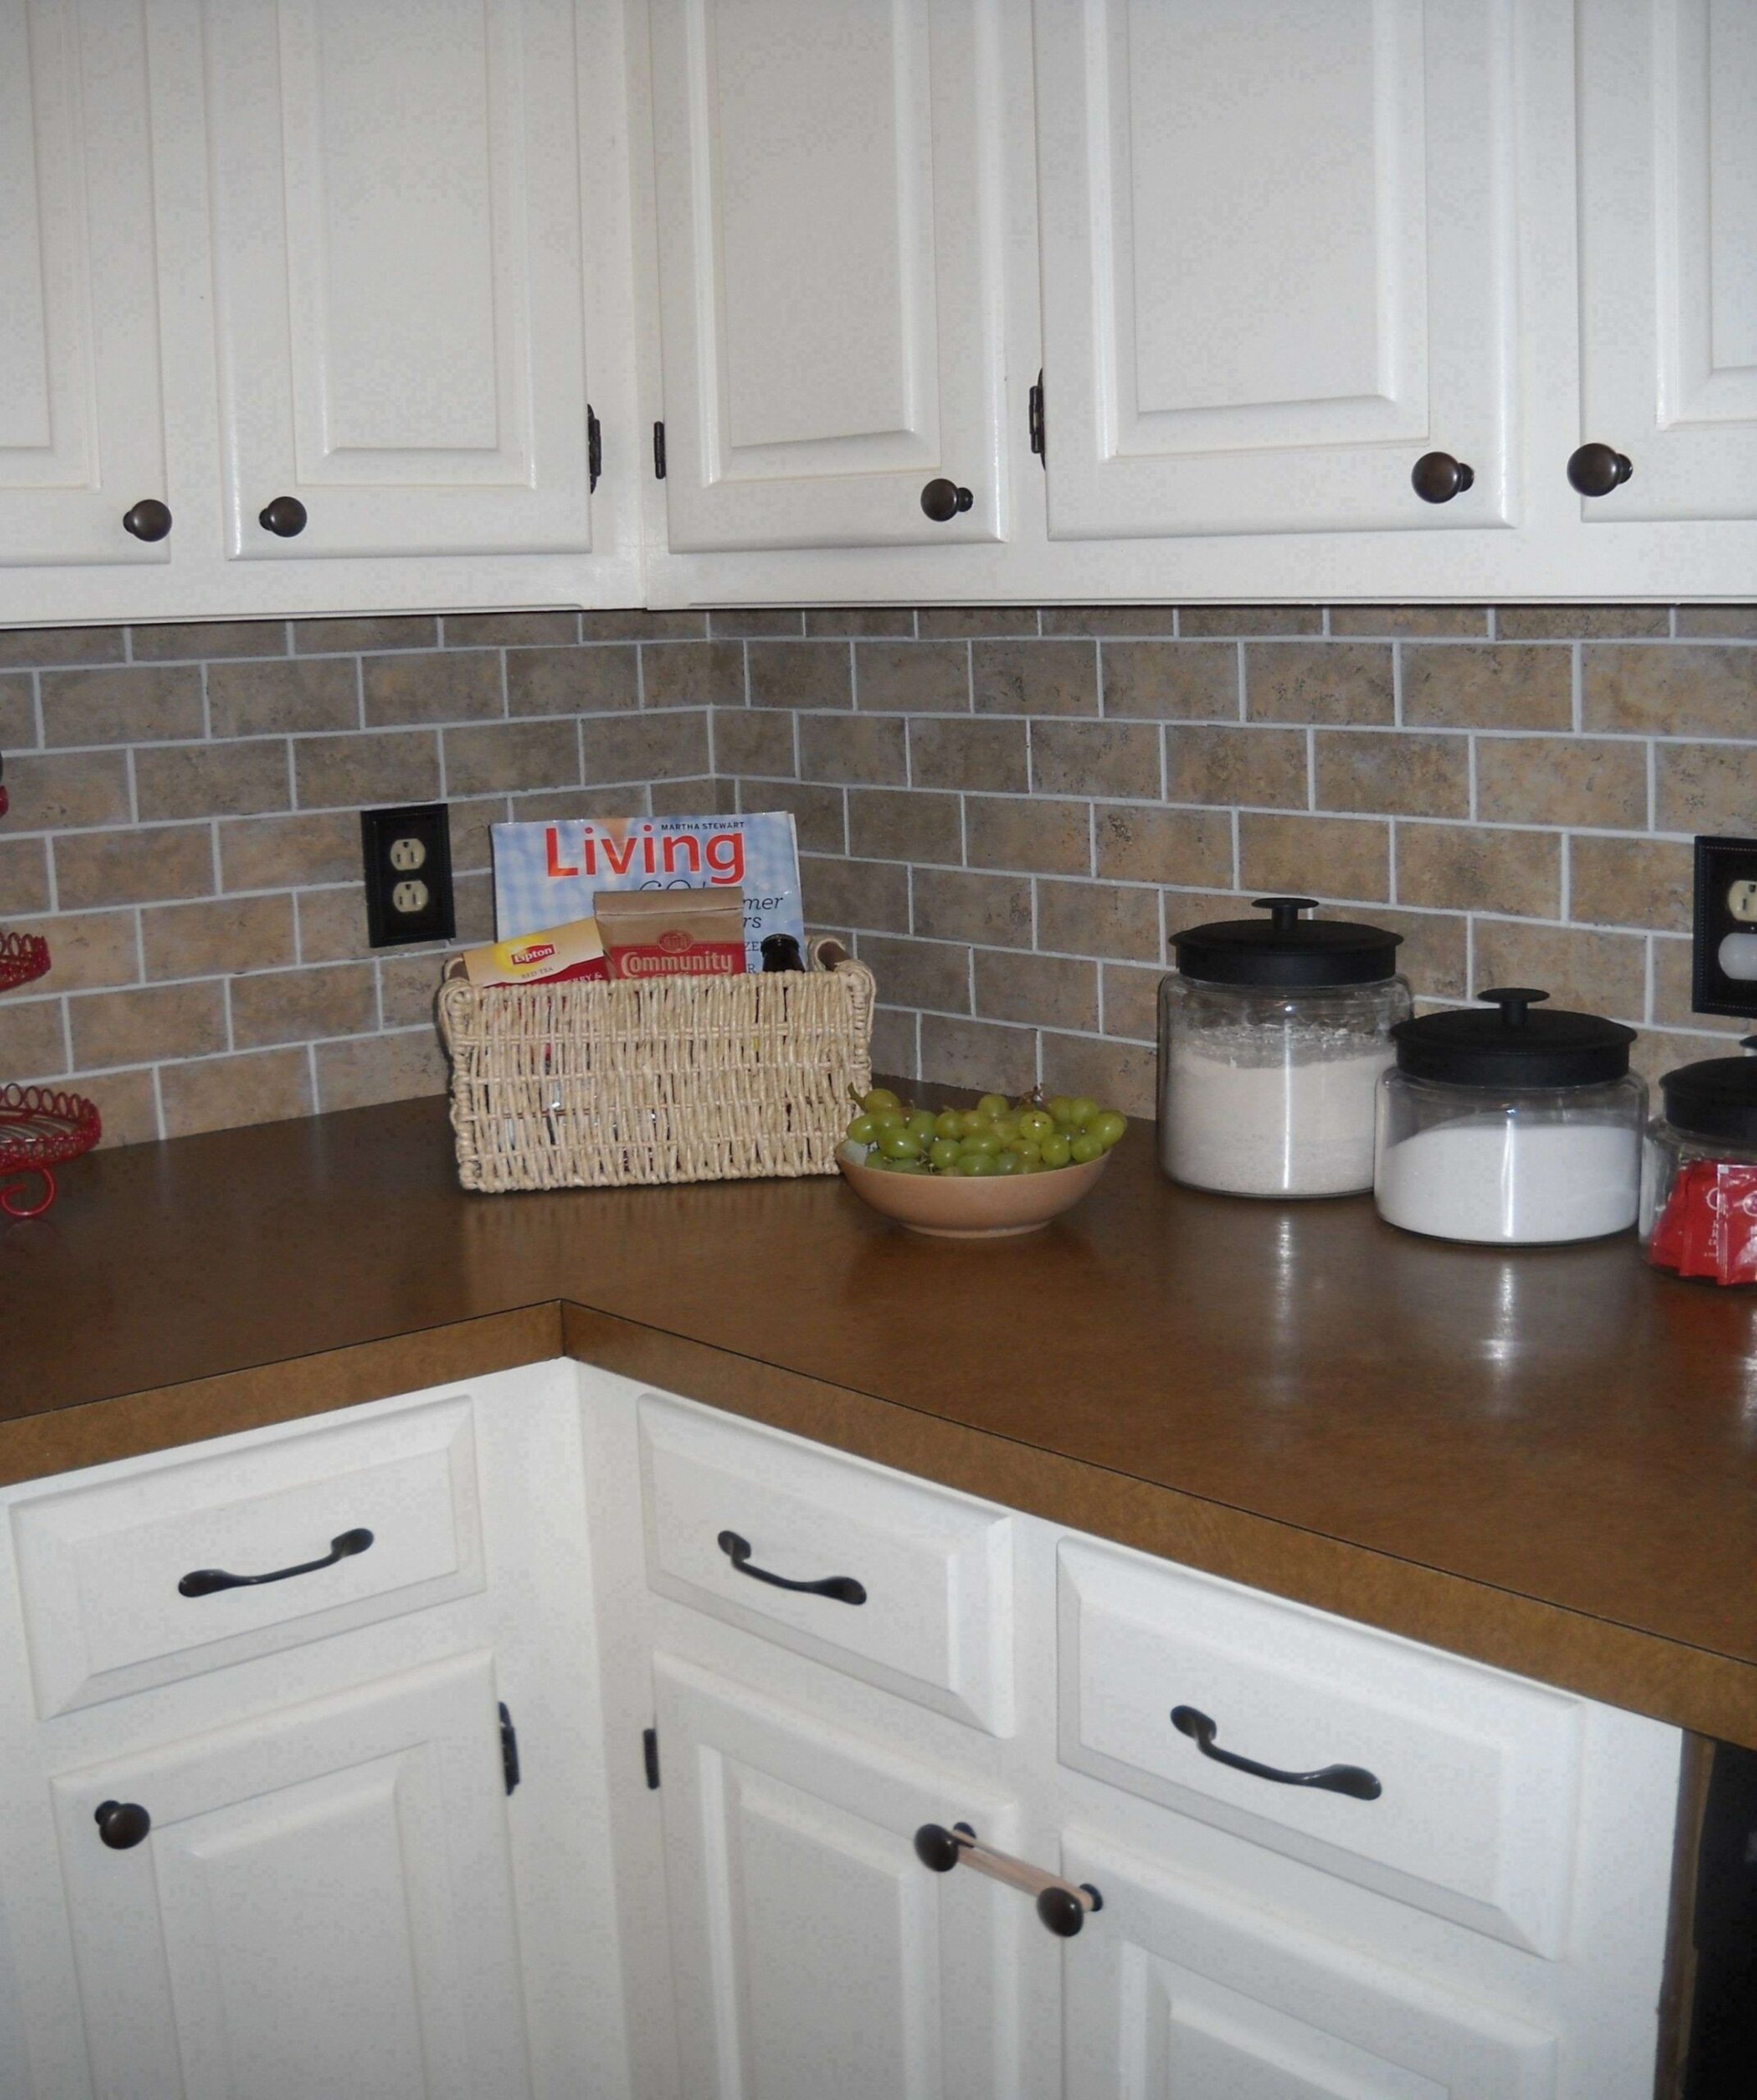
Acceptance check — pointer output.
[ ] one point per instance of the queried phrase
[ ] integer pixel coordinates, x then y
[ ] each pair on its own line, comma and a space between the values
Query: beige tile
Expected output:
1674, 992
509, 630
1172, 681
374, 1068
1395, 772
1035, 677
473, 897
952, 904
894, 1042
24, 875
1121, 1075
905, 826
1467, 868
868, 749
1671, 689
270, 698
1498, 685
134, 705
1563, 780
1468, 622
870, 895
1434, 953
964, 623
924, 678
210, 780
1631, 882
711, 674
828, 621
1110, 619
977, 1053
350, 636
127, 1106
35, 648
1236, 766
1096, 758
192, 640
220, 936
1705, 788
456, 685
286, 852
1739, 621
912, 973
1319, 681
1327, 857
331, 925
1099, 918
631, 624
597, 681
631, 747
297, 1006
1585, 972
409, 986
32, 1046
986, 755
18, 713
59, 791
133, 867
1579, 622
745, 623
756, 740
223, 1093
144, 1026
612, 801
820, 813
1152, 844
1046, 991
470, 820
352, 772
1034, 836
88, 950
1250, 620
514, 754
1130, 995
1657, 1052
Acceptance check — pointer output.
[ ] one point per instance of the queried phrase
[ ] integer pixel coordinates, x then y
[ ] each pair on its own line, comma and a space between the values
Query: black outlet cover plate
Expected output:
389, 841
1720, 863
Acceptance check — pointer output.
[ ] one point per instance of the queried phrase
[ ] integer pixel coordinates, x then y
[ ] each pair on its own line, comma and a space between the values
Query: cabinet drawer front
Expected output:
1478, 1773
935, 1569
99, 1567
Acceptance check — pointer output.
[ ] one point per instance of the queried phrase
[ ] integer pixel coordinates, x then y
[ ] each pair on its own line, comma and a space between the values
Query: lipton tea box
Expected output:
557, 952
545, 875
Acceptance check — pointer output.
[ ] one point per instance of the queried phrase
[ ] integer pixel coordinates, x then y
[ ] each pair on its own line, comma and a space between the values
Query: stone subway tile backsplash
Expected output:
1006, 809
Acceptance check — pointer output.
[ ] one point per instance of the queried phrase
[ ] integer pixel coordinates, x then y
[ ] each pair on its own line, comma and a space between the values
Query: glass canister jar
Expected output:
1272, 1035
1511, 1128
1699, 1171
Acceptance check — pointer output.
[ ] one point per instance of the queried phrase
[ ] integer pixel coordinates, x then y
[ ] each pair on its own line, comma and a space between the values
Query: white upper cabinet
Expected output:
396, 209
1277, 263
829, 293
1668, 256
81, 417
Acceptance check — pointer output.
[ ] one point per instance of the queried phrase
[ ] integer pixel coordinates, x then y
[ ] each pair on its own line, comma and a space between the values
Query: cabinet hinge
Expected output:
650, 1757
508, 1749
593, 449
1035, 413
659, 452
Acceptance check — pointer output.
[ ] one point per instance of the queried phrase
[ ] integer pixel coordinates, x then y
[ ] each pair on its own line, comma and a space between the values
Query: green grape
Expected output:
944, 1153
863, 1130
971, 1163
1057, 1151
1061, 1108
983, 1141
900, 1144
991, 1105
1006, 1162
921, 1121
1081, 1110
909, 1166
889, 1119
970, 1122
1035, 1125
949, 1123
1085, 1148
1029, 1151
1007, 1130
1107, 1126
880, 1096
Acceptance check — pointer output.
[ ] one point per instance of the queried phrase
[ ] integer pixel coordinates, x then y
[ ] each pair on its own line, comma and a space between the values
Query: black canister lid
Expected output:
1716, 1098
1284, 949
1512, 1046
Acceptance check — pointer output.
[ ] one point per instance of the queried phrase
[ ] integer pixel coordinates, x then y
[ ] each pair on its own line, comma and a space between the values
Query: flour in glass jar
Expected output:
1278, 1128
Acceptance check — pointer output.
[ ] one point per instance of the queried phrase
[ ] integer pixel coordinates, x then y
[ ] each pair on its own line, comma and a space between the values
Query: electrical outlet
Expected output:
1724, 978
407, 854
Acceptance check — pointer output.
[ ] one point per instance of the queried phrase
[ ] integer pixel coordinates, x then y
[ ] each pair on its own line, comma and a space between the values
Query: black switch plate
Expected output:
408, 859
1724, 978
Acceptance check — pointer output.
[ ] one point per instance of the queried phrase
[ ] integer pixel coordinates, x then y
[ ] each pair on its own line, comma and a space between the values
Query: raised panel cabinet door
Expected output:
813, 1954
322, 1905
828, 208
1668, 146
398, 272
1277, 263
82, 438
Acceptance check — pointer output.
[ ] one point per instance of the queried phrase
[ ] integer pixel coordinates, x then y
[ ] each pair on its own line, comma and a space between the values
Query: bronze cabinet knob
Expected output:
284, 518
122, 1824
1436, 477
149, 519
942, 500
1597, 469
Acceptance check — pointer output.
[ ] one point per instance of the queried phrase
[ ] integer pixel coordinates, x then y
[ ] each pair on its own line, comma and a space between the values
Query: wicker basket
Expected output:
592, 1085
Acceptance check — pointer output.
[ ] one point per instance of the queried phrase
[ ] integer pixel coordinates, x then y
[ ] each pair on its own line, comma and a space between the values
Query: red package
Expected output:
1709, 1225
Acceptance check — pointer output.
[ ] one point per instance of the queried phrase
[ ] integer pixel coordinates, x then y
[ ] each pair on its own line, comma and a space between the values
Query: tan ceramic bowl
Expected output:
977, 1207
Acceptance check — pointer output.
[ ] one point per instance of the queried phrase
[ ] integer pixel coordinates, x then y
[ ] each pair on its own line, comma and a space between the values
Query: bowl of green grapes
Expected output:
982, 1173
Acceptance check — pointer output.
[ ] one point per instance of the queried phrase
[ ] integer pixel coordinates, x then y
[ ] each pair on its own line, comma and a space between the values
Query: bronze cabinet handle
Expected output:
122, 1824
1351, 1779
1597, 469
843, 1588
149, 519
942, 500
285, 517
204, 1582
1436, 477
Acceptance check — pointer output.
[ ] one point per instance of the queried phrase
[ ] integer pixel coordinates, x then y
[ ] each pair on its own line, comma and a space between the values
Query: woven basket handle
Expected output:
824, 951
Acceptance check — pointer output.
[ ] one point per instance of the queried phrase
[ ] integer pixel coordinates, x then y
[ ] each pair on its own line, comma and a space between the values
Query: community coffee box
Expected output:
547, 874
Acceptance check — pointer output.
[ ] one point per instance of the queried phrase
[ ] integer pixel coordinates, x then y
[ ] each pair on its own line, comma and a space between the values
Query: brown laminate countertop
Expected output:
1543, 1459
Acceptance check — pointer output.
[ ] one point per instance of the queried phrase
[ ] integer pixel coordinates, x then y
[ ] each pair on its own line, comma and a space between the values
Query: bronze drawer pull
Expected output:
204, 1582
1351, 1779
843, 1588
